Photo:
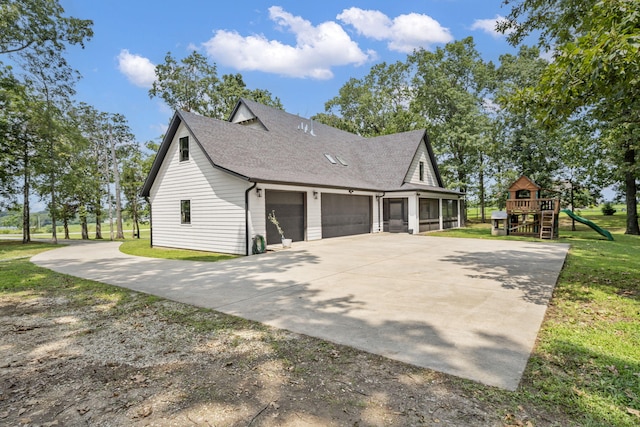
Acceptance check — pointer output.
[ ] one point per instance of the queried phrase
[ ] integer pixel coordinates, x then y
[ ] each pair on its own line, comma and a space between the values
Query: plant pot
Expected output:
286, 243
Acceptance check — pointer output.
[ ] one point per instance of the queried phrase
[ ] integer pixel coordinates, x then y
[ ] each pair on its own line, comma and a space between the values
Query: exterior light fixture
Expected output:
315, 194
259, 192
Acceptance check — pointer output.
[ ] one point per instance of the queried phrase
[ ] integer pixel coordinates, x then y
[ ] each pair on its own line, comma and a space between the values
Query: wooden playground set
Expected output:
527, 214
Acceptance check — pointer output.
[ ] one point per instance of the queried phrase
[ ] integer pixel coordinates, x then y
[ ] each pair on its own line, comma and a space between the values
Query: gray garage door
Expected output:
345, 215
289, 210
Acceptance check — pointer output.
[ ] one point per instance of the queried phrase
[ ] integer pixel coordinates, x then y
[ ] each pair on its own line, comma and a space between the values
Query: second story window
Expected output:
184, 149
421, 171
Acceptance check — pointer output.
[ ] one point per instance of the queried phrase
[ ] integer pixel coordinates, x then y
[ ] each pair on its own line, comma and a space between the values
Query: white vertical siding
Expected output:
314, 215
242, 114
257, 214
217, 203
413, 175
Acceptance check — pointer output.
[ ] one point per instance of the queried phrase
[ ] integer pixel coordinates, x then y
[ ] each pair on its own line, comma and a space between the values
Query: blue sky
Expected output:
302, 52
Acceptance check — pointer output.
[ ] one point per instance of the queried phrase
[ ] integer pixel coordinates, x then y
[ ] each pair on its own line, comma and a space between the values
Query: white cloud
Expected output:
489, 26
404, 33
317, 48
159, 128
139, 70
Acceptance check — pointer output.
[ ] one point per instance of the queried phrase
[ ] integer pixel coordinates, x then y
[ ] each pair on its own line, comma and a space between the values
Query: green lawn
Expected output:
74, 232
586, 364
142, 247
587, 358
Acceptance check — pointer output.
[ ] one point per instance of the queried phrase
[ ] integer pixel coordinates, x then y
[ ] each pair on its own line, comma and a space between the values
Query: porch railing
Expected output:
532, 205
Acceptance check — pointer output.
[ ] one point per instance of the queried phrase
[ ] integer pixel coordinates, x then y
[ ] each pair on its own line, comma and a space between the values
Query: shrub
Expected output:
607, 209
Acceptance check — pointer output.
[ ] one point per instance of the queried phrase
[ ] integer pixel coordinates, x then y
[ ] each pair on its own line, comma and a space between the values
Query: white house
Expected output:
214, 182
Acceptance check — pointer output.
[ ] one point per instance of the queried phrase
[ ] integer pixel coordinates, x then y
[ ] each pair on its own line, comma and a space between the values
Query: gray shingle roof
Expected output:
286, 154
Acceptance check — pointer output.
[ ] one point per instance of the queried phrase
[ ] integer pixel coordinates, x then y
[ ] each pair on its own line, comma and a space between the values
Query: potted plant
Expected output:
286, 243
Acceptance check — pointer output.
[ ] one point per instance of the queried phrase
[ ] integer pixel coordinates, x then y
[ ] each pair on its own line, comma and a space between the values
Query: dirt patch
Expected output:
162, 363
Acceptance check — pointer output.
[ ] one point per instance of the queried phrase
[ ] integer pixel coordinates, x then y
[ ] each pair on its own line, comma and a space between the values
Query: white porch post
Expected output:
413, 214
460, 216
440, 213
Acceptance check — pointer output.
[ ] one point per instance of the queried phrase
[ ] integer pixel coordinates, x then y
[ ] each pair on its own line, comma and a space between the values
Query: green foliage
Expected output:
193, 85
377, 104
450, 86
586, 362
608, 209
38, 23
142, 247
272, 218
14, 249
593, 77
442, 91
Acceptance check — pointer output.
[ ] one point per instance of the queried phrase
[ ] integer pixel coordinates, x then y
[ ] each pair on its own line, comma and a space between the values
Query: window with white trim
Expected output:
185, 211
184, 149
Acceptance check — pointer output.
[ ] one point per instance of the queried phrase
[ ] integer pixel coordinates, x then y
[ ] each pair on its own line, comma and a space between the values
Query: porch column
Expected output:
414, 223
440, 213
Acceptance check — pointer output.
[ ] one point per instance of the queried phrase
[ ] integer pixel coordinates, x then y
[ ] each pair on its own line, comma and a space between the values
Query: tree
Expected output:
528, 147
51, 80
36, 23
451, 85
554, 21
377, 104
232, 87
193, 85
18, 150
132, 181
594, 74
36, 33
444, 91
189, 85
120, 144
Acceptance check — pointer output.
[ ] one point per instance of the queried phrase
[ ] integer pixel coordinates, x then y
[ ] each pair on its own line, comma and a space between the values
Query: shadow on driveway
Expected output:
466, 307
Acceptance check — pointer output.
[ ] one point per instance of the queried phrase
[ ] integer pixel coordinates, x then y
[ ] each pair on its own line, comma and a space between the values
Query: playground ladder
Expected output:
547, 222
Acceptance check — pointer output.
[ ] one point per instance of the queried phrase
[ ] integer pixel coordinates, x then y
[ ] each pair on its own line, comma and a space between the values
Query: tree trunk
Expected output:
134, 219
84, 229
116, 180
52, 176
631, 193
52, 210
98, 221
482, 195
26, 210
573, 221
462, 179
65, 223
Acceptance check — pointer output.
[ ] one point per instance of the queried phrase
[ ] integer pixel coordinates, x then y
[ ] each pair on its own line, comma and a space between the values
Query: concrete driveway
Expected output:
467, 307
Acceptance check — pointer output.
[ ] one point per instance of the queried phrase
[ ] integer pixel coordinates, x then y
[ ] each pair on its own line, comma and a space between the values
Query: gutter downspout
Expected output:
150, 223
246, 215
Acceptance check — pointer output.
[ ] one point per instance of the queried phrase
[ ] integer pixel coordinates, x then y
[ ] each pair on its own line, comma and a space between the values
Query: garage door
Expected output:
289, 210
345, 215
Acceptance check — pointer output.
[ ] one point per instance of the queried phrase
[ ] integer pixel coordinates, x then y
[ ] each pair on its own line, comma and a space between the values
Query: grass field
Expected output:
587, 358
586, 363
